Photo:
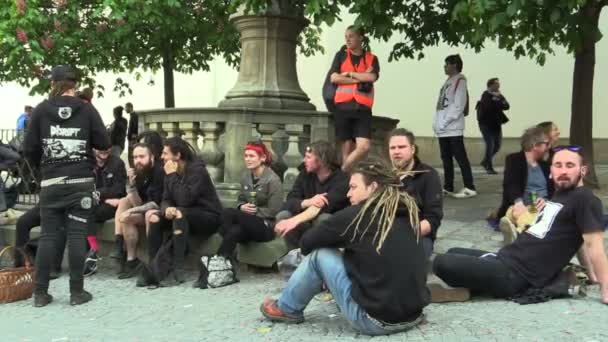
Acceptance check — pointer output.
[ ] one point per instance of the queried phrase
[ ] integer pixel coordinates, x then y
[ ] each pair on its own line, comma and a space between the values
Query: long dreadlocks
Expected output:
383, 203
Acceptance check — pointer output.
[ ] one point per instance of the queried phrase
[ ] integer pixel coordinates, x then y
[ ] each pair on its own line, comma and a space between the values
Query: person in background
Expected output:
448, 124
24, 118
118, 132
552, 131
132, 132
491, 117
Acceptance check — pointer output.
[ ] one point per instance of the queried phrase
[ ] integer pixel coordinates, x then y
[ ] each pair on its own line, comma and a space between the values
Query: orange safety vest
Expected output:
349, 92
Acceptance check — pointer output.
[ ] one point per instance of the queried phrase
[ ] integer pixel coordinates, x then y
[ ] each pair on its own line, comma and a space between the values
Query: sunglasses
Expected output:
572, 148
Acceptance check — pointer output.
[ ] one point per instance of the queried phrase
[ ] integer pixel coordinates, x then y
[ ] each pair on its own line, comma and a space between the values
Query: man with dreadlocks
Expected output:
379, 282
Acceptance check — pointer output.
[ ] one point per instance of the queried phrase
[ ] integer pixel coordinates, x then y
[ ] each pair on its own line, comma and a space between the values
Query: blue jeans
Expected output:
326, 265
493, 141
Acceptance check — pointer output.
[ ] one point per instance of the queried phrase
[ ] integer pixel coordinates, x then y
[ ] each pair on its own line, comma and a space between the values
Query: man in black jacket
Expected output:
379, 281
190, 203
110, 184
145, 191
133, 130
420, 181
319, 190
62, 133
491, 117
118, 132
526, 174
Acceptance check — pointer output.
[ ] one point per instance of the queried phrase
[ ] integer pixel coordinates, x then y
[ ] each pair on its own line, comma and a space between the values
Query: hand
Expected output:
346, 74
540, 203
170, 167
519, 209
319, 200
170, 213
425, 228
112, 202
285, 226
369, 69
125, 215
131, 175
249, 208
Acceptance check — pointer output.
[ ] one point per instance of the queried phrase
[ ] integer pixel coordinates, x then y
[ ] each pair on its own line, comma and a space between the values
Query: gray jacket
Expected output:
449, 117
269, 193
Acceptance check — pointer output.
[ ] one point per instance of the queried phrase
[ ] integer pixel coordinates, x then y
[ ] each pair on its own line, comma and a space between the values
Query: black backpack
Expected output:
161, 265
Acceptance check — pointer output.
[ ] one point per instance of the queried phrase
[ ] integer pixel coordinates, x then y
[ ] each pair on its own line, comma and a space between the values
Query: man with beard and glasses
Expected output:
420, 181
110, 183
569, 222
145, 190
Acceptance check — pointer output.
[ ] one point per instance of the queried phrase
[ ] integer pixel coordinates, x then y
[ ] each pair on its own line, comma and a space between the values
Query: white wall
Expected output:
407, 90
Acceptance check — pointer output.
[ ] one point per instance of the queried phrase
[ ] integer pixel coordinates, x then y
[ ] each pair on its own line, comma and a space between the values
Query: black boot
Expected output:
119, 251
42, 298
177, 274
78, 295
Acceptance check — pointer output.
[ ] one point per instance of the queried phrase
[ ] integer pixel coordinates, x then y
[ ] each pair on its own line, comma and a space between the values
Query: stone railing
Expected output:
219, 134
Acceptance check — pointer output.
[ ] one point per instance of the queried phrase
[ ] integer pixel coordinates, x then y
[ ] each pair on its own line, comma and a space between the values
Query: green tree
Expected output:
113, 36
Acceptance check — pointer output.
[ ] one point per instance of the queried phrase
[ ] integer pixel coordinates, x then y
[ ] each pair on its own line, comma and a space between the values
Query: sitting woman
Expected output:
260, 200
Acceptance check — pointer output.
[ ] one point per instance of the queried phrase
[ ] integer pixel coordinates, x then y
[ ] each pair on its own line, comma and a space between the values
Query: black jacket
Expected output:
490, 110
192, 189
133, 126
62, 134
111, 180
389, 285
425, 187
150, 187
515, 179
118, 132
307, 185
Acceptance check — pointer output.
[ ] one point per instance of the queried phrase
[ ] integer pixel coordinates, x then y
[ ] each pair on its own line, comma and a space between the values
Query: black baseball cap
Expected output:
63, 73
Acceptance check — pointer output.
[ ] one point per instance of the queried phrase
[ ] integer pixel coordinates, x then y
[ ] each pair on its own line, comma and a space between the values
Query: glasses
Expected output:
572, 148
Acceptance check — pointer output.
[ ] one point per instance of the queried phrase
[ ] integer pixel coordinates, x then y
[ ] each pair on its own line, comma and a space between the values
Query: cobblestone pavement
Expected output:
122, 312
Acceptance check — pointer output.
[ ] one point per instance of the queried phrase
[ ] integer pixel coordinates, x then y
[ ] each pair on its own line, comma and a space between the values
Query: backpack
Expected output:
466, 106
161, 265
329, 92
216, 271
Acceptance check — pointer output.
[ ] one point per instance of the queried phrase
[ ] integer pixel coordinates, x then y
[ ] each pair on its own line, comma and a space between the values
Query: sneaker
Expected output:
132, 268
508, 230
42, 299
465, 193
90, 264
80, 297
271, 311
446, 294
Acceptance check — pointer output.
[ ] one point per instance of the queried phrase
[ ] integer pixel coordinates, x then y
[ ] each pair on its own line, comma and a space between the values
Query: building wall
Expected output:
407, 89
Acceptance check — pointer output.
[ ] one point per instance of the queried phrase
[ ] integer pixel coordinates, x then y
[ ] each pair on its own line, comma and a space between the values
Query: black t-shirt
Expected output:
339, 58
541, 252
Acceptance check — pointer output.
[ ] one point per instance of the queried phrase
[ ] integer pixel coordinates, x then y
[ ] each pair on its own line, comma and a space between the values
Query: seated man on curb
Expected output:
190, 204
526, 175
379, 281
319, 190
420, 181
145, 191
110, 184
571, 219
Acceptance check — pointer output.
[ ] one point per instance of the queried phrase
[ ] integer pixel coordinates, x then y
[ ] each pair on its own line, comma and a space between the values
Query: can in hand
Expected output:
253, 198
533, 198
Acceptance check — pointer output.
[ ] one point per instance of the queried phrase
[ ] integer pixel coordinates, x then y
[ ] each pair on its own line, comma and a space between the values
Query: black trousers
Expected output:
193, 220
25, 224
493, 141
461, 267
70, 207
101, 213
453, 147
239, 227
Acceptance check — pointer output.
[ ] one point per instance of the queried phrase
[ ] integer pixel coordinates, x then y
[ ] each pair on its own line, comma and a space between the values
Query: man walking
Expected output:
491, 117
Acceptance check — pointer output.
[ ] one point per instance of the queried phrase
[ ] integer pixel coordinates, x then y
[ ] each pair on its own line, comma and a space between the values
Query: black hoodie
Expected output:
61, 135
390, 285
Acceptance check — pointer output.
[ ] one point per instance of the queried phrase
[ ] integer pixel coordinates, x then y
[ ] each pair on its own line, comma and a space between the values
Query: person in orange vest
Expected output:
354, 71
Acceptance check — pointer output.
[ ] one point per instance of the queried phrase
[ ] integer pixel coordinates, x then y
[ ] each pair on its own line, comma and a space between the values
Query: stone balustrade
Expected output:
219, 134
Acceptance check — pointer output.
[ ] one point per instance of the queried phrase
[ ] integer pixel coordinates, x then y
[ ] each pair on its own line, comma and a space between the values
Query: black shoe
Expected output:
491, 171
80, 297
42, 299
132, 268
118, 252
174, 278
90, 264
484, 164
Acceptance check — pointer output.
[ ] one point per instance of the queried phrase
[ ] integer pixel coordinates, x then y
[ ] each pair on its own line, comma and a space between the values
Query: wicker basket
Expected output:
16, 283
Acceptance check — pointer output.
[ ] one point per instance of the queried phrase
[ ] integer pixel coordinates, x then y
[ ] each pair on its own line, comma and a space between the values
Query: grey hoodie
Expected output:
449, 117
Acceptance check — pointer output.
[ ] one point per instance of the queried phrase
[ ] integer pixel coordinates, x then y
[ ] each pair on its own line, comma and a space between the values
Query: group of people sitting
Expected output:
367, 235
